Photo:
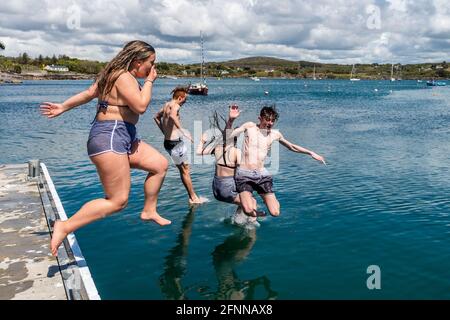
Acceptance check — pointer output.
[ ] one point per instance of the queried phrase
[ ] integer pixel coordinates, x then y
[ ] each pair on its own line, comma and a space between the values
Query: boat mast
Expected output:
201, 69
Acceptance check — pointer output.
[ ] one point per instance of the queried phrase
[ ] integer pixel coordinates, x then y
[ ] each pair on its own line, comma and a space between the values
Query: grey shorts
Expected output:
253, 180
224, 189
111, 135
177, 150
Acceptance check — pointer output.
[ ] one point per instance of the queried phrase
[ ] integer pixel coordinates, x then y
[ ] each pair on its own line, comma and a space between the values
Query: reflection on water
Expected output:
383, 198
175, 262
226, 256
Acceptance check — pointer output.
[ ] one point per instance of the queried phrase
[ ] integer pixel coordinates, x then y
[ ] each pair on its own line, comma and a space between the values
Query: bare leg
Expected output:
272, 203
185, 176
255, 212
146, 158
248, 203
114, 172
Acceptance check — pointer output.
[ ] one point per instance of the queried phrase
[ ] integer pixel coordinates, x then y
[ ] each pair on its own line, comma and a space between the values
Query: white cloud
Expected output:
399, 5
320, 30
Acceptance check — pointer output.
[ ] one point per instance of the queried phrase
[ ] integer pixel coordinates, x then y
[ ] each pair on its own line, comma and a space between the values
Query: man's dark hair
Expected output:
179, 91
269, 111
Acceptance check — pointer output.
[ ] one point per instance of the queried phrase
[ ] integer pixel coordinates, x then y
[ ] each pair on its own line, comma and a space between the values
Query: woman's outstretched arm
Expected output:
52, 110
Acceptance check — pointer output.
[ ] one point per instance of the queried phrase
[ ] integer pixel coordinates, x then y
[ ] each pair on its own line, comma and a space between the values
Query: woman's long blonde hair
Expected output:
133, 50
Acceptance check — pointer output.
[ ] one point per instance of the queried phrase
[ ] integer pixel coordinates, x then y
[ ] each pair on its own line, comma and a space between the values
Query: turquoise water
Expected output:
382, 200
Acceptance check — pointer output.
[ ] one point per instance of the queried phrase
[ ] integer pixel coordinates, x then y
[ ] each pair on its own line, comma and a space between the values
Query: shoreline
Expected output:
6, 77
19, 80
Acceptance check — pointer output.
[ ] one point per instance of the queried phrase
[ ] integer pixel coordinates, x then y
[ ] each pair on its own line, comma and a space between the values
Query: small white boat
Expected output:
433, 83
255, 78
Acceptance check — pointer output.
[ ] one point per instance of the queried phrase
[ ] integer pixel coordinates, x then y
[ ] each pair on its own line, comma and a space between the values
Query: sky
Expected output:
326, 31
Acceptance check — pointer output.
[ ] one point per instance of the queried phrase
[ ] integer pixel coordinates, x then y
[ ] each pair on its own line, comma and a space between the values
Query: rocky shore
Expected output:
6, 77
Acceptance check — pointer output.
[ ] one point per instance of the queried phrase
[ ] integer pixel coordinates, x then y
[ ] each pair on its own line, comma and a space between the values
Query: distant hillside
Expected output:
245, 67
260, 63
275, 67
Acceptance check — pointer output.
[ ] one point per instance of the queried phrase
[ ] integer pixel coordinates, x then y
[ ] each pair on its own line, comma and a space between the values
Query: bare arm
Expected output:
299, 149
176, 120
173, 115
157, 119
238, 131
229, 123
52, 110
233, 114
81, 98
137, 100
201, 150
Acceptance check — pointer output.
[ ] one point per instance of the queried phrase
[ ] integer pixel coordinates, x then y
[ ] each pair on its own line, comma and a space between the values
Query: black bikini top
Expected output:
225, 160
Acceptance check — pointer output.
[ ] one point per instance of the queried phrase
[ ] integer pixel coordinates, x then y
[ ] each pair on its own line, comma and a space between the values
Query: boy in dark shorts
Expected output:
169, 122
251, 175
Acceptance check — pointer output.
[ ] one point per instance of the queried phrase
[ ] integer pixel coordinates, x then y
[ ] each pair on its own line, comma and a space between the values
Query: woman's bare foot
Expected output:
58, 236
146, 216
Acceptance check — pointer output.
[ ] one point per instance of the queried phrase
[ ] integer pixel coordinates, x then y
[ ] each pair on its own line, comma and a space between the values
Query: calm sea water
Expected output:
382, 200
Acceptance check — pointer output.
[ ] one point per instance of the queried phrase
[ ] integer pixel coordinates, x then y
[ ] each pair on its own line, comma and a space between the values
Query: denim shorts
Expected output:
253, 180
224, 189
111, 135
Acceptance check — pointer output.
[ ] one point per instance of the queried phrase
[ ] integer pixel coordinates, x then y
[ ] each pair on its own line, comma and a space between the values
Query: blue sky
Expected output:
337, 31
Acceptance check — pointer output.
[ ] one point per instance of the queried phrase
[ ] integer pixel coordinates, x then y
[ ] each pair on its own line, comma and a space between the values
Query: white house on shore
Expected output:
56, 68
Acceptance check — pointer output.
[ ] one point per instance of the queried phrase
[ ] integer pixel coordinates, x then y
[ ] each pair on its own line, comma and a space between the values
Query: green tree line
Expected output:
247, 67
24, 61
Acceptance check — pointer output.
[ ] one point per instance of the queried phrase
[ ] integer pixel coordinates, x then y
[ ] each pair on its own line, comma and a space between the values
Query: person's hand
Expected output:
188, 136
51, 110
234, 112
318, 158
204, 138
152, 75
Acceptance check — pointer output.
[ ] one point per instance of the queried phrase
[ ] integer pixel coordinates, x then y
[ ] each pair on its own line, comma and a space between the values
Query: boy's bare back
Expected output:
167, 123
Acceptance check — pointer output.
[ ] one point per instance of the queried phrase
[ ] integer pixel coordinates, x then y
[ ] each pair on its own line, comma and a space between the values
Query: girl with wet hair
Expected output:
228, 157
113, 144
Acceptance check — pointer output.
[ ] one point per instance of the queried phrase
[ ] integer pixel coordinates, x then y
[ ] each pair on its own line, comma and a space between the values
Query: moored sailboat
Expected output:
199, 88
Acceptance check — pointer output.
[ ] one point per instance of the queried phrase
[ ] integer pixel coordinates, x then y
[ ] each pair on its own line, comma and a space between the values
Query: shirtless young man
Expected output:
168, 121
251, 175
228, 158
